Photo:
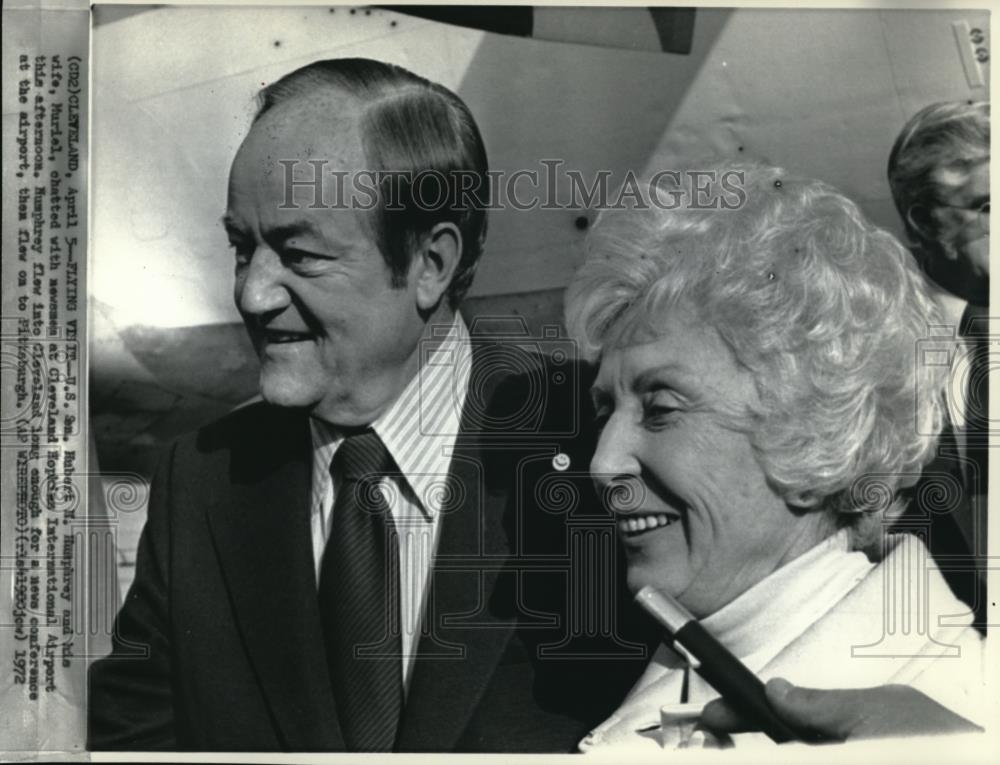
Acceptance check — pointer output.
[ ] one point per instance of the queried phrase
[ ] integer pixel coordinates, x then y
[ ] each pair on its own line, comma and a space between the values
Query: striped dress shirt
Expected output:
419, 430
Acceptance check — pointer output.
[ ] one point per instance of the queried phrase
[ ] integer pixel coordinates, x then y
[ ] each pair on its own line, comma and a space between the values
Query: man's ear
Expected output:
435, 263
918, 220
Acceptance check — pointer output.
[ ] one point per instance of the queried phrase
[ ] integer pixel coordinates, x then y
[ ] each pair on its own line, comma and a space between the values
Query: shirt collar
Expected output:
762, 621
420, 427
759, 623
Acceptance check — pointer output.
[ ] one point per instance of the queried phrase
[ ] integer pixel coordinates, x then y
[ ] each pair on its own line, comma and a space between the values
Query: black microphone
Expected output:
740, 687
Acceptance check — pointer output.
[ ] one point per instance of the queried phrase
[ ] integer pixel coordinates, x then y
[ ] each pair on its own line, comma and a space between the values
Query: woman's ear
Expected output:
802, 500
435, 263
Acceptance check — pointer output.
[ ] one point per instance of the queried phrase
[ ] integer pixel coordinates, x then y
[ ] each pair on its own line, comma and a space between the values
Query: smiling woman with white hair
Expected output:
762, 401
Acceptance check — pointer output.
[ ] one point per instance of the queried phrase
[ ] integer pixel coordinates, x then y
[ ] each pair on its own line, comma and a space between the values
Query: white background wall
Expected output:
822, 92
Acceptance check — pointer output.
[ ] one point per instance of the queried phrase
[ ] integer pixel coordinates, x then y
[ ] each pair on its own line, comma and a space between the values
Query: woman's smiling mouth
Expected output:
634, 525
277, 337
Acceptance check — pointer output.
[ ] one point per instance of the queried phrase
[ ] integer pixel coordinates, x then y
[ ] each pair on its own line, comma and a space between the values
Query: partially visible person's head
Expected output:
939, 175
759, 383
337, 282
415, 129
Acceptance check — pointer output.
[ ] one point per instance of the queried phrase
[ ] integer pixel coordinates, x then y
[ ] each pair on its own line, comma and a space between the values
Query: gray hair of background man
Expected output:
951, 134
410, 126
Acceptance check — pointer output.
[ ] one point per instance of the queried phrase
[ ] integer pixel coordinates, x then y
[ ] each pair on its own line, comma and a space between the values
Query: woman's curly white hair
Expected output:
826, 310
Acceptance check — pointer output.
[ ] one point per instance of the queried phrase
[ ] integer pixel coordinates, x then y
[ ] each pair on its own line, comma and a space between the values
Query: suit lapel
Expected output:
262, 535
465, 635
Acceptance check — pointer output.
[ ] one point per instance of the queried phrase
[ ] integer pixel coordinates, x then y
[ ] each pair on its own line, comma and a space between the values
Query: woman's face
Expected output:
695, 512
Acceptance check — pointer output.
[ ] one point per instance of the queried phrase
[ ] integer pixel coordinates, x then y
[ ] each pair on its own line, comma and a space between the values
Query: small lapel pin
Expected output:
561, 461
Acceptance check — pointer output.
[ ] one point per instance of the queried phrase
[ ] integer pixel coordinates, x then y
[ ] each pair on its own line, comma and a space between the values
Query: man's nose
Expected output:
259, 285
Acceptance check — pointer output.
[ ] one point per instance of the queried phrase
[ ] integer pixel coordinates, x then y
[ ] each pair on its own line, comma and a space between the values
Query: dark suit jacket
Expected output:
947, 510
218, 645
948, 506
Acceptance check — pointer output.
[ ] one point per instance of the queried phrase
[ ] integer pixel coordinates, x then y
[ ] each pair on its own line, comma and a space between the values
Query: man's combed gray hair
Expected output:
412, 128
825, 309
950, 134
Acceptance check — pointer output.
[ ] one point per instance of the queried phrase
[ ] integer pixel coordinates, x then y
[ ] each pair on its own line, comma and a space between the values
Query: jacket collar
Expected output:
262, 537
262, 534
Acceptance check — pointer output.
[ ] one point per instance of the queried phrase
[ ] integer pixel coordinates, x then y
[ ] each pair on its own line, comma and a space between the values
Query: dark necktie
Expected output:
359, 598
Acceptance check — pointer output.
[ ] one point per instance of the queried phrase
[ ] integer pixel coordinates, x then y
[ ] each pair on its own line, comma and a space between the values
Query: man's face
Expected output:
332, 334
962, 228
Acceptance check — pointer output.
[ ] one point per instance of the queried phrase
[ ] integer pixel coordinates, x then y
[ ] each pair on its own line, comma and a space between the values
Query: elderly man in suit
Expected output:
939, 173
331, 569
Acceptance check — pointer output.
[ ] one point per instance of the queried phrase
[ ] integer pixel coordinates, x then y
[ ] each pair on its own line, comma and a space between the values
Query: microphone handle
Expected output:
740, 687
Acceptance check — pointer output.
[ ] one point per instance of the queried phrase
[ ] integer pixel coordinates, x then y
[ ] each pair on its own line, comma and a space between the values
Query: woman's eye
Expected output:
601, 417
658, 415
242, 251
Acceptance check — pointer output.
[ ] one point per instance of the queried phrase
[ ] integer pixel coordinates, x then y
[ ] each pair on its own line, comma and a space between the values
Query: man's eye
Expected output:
303, 259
